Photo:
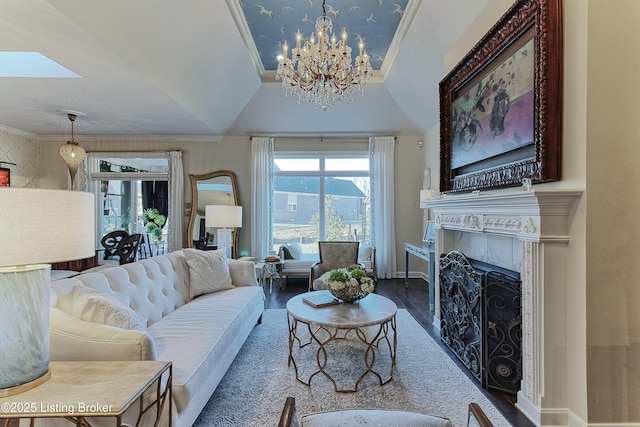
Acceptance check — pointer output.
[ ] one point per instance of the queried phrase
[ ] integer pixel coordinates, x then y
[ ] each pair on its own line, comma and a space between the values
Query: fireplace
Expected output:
481, 319
526, 231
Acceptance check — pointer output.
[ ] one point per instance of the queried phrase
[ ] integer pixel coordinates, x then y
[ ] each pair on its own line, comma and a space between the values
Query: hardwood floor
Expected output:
415, 299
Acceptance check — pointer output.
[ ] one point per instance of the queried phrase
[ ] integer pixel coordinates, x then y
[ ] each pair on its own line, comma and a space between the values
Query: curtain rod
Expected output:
135, 151
320, 138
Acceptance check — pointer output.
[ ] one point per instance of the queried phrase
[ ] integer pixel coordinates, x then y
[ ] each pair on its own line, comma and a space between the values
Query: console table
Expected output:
80, 390
426, 252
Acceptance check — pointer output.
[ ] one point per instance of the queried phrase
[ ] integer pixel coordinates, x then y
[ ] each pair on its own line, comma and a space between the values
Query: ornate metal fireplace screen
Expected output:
482, 320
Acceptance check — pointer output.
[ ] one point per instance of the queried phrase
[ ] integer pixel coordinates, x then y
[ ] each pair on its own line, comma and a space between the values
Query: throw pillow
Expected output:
285, 252
295, 250
365, 252
91, 305
208, 271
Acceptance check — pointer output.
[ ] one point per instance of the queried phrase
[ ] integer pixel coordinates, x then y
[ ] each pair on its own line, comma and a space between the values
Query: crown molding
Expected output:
18, 132
401, 33
245, 34
140, 138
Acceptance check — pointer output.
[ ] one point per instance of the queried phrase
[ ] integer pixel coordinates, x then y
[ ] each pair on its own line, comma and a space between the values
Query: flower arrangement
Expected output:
153, 222
349, 284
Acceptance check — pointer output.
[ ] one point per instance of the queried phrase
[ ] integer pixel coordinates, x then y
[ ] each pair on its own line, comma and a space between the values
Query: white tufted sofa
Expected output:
200, 336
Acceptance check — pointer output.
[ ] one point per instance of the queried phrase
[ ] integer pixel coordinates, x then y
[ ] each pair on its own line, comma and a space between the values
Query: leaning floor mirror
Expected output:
218, 188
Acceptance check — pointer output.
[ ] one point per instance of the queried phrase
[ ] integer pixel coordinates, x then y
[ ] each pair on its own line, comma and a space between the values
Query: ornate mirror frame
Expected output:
234, 199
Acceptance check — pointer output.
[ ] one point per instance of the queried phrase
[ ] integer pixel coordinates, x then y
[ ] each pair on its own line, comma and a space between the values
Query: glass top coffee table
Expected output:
367, 327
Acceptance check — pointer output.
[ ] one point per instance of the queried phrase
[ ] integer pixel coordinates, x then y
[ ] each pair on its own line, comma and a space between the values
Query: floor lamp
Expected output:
36, 226
223, 216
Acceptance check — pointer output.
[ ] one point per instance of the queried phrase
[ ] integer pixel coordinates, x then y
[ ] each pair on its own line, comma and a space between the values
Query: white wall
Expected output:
612, 153
24, 151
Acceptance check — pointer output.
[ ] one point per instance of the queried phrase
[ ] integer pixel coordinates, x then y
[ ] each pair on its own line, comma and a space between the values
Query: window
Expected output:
320, 197
126, 188
292, 204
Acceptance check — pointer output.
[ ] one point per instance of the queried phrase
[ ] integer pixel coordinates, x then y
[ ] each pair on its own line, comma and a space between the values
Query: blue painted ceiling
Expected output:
272, 22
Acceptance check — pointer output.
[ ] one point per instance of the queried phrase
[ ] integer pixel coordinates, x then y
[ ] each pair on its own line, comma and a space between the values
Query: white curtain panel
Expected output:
176, 201
261, 195
382, 151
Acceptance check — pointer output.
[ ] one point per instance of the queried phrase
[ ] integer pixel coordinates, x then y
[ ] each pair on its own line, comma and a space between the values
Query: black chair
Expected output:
110, 242
202, 243
127, 249
144, 249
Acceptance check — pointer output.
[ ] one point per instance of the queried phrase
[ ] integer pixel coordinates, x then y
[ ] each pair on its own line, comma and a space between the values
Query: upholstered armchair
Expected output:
375, 417
333, 254
361, 417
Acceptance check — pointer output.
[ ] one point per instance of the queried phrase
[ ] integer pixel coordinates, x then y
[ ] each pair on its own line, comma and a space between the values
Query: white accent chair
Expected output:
360, 417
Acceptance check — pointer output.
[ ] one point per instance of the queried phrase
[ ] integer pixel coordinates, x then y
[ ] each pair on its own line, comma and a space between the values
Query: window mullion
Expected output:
321, 215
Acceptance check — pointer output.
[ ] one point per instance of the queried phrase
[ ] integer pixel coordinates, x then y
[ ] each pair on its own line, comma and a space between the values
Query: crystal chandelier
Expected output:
320, 72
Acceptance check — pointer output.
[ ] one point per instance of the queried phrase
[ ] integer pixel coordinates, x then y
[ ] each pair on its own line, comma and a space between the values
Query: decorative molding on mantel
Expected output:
535, 215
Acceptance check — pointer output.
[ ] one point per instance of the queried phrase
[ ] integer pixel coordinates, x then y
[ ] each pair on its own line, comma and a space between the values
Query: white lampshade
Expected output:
37, 227
223, 216
45, 226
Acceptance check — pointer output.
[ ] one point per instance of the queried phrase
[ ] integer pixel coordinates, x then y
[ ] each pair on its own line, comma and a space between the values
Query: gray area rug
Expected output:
425, 379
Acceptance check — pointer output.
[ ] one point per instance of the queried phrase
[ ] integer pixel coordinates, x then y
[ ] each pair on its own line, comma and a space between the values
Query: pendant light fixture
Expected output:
71, 152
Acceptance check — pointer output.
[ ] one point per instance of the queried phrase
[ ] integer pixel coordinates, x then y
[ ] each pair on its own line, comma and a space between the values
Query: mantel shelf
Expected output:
531, 215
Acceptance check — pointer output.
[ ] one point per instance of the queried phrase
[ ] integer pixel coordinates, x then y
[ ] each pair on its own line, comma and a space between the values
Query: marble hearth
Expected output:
528, 232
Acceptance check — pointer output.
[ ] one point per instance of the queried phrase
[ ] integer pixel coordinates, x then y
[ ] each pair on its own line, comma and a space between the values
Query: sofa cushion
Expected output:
153, 287
286, 254
98, 307
198, 336
295, 250
301, 265
365, 252
208, 271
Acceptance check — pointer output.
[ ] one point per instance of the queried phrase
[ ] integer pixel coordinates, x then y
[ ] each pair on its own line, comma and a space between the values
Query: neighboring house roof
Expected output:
333, 186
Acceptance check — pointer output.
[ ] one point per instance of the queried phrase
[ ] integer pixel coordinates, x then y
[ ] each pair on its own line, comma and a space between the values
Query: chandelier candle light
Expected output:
321, 72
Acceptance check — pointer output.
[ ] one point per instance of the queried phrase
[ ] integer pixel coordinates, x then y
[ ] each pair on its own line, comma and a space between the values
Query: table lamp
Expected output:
223, 216
36, 226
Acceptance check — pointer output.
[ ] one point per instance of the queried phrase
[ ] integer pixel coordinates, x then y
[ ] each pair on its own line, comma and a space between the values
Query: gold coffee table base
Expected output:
333, 324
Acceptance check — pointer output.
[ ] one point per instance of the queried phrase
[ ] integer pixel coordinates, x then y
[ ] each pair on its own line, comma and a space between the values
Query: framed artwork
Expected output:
501, 105
5, 177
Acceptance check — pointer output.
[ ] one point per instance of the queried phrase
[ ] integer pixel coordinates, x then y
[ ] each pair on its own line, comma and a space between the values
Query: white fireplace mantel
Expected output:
535, 215
537, 222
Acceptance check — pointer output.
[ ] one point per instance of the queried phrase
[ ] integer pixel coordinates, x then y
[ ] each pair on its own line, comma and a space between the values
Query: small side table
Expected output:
270, 270
79, 390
